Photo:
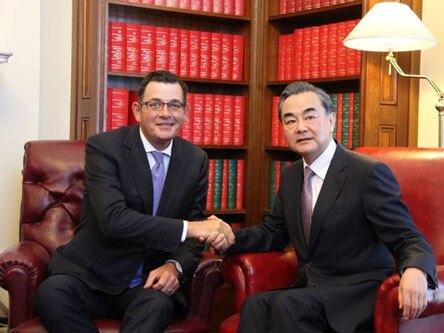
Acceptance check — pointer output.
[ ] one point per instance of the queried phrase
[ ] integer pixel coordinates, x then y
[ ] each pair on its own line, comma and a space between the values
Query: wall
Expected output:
34, 92
432, 65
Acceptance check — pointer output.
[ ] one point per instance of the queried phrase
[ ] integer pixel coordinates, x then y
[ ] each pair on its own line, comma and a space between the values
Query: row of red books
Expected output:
276, 167
215, 119
228, 7
212, 119
225, 184
293, 6
317, 52
346, 131
139, 48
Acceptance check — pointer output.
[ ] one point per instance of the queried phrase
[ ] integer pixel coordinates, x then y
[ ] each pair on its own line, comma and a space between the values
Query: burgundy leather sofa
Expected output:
420, 173
52, 191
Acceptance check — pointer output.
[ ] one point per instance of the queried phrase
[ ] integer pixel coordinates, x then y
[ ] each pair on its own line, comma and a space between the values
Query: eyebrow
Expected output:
290, 114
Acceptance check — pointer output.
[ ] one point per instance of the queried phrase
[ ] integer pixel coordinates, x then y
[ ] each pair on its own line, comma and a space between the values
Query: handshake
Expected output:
213, 231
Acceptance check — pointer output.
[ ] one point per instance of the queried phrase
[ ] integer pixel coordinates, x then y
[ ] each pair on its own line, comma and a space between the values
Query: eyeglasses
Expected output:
155, 105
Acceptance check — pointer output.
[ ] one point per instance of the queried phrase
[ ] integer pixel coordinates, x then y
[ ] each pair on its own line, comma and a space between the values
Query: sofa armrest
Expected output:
387, 315
22, 267
249, 273
201, 288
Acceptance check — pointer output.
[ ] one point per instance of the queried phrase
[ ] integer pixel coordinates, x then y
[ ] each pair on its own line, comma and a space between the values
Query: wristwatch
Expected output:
178, 267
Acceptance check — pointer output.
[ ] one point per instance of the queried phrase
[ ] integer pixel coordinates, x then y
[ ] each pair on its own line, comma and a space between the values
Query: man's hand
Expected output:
164, 278
412, 295
211, 230
222, 242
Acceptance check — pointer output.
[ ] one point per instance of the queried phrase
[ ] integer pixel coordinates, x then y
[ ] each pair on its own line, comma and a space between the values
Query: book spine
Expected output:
275, 124
210, 192
226, 57
345, 118
272, 187
162, 47
217, 192
117, 46
147, 48
184, 53
238, 57
216, 56
227, 122
174, 51
239, 120
218, 119
224, 195
208, 119
239, 7
132, 63
205, 54
240, 184
194, 53
187, 128
232, 177
118, 111
198, 123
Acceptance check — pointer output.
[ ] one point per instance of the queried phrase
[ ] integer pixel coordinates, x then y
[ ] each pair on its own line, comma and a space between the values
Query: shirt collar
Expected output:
321, 164
149, 147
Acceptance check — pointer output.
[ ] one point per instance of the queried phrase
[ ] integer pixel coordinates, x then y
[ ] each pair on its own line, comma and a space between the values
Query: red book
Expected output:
147, 48
314, 48
315, 4
187, 127
218, 119
117, 108
307, 5
282, 7
133, 1
185, 4
350, 54
160, 2
205, 54
147, 2
174, 51
208, 119
298, 54
291, 6
226, 57
289, 56
235, 225
218, 6
326, 3
228, 7
198, 123
210, 192
162, 47
207, 6
228, 120
240, 184
323, 50
281, 57
132, 48
275, 124
196, 5
238, 57
239, 7
194, 53
224, 196
184, 53
306, 51
116, 46
132, 97
340, 49
172, 3
216, 56
331, 53
239, 120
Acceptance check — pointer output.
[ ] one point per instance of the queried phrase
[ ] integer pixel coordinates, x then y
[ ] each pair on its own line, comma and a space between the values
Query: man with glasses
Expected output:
142, 225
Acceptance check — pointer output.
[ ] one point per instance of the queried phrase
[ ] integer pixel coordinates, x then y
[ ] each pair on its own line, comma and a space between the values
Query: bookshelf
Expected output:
387, 104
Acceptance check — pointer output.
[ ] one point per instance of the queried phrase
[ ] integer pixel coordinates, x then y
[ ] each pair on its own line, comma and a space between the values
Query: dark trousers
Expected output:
66, 304
280, 311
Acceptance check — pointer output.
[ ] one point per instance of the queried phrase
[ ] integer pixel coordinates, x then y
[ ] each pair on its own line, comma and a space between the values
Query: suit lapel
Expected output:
333, 183
173, 178
140, 168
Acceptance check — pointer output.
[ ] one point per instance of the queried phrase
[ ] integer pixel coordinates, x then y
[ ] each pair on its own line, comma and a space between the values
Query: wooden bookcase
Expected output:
388, 104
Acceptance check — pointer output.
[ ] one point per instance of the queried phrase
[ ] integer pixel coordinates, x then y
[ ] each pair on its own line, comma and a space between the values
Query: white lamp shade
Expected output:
390, 26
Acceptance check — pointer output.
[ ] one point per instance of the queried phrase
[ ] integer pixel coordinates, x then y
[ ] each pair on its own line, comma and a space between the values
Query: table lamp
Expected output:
394, 27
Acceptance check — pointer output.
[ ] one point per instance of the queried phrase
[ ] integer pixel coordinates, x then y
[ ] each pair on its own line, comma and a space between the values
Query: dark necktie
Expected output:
307, 202
158, 175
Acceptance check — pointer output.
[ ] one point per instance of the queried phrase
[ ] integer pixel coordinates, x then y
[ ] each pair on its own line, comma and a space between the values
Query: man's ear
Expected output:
137, 109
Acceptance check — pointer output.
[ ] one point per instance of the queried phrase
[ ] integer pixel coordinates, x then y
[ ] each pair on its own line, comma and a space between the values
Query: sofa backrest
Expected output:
52, 191
420, 174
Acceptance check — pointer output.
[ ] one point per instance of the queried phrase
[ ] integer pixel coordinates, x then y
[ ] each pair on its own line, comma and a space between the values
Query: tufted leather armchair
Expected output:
52, 192
420, 173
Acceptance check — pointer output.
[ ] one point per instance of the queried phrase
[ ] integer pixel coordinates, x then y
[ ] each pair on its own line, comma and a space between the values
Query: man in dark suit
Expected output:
357, 221
130, 254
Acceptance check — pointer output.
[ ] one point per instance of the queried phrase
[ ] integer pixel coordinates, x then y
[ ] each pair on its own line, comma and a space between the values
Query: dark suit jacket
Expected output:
116, 232
358, 220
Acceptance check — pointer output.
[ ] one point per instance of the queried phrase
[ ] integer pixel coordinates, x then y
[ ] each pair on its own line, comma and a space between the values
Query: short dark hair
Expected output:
298, 87
164, 77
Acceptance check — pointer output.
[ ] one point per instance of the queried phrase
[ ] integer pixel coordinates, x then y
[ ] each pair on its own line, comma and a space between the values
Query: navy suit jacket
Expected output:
117, 232
358, 221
